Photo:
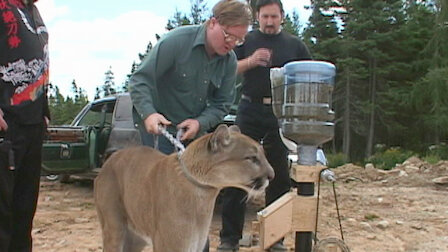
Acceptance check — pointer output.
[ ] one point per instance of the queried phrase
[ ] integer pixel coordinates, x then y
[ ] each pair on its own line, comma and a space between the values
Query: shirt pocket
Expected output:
216, 79
184, 77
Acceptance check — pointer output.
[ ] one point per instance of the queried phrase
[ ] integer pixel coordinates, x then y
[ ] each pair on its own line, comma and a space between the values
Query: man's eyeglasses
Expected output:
232, 38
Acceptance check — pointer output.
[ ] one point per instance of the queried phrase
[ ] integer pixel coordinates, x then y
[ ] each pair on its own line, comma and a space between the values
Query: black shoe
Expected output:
278, 247
227, 247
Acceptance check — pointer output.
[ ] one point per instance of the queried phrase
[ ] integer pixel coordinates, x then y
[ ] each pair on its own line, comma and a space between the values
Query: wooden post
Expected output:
289, 213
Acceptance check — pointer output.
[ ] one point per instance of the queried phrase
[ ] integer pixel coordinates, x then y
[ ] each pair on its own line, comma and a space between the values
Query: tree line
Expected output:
392, 70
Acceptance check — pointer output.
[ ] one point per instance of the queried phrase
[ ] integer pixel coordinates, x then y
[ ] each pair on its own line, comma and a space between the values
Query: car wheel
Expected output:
52, 177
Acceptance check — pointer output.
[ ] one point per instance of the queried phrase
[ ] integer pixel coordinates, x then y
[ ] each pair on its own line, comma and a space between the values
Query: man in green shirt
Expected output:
187, 80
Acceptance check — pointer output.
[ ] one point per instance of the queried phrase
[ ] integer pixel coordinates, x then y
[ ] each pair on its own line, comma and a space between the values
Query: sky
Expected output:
87, 37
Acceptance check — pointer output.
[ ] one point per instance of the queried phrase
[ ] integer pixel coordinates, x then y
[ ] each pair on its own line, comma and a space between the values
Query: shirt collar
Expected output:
200, 38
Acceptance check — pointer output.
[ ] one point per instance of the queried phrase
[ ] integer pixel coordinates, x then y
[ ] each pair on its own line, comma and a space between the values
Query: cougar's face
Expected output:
240, 163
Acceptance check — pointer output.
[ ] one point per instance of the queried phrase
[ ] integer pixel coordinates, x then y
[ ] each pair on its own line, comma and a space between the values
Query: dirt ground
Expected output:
399, 210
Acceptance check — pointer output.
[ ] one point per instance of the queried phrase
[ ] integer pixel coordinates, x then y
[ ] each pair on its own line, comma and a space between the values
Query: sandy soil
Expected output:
399, 210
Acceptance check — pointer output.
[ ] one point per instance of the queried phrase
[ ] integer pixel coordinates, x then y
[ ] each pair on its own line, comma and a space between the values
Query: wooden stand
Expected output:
289, 213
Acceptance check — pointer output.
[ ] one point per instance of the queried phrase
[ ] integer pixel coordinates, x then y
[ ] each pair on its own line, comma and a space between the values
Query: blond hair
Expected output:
232, 13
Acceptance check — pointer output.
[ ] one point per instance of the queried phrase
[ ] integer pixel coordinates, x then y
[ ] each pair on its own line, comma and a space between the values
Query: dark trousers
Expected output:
257, 121
19, 188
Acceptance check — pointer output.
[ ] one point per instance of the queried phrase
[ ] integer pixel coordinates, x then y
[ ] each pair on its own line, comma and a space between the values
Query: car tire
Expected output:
52, 177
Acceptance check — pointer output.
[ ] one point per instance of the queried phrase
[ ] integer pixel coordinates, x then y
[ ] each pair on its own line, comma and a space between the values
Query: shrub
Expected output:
371, 216
389, 158
440, 150
432, 159
336, 159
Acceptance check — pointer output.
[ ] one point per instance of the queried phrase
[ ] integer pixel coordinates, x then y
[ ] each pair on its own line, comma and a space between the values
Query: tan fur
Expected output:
142, 194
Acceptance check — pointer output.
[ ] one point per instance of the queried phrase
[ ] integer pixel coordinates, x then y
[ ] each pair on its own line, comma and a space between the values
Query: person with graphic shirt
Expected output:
263, 49
24, 114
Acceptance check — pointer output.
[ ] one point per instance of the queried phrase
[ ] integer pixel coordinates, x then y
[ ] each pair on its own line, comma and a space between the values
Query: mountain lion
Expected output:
142, 195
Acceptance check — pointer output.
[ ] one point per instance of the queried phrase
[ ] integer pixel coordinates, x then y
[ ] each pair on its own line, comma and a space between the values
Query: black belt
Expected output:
260, 100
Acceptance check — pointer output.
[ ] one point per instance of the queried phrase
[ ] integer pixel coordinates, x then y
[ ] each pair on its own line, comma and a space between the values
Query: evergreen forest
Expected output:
391, 56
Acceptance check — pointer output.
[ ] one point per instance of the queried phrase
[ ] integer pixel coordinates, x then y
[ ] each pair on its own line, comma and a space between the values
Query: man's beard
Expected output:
270, 29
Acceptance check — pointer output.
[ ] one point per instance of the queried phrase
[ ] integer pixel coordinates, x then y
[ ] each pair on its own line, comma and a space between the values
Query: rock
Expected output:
81, 220
371, 172
399, 222
371, 237
441, 180
61, 242
393, 172
369, 166
430, 209
413, 160
36, 231
366, 226
411, 169
417, 226
76, 209
383, 224
402, 174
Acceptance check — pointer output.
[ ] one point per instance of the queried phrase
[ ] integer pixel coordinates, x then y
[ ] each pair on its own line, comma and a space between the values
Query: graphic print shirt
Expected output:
24, 63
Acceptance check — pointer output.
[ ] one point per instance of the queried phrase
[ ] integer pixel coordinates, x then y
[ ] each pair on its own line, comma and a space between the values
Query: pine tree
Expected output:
97, 93
291, 24
178, 19
430, 93
109, 84
370, 38
198, 11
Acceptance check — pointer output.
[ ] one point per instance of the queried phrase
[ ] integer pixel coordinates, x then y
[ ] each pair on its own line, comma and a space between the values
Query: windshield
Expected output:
94, 117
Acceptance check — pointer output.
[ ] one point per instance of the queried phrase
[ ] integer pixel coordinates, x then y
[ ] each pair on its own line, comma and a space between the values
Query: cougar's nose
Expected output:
271, 173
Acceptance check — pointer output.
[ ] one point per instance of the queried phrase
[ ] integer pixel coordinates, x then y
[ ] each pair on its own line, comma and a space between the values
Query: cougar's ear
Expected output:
235, 128
220, 138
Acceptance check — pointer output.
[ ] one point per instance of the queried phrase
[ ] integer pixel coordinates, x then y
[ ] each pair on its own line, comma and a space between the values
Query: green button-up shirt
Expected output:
179, 80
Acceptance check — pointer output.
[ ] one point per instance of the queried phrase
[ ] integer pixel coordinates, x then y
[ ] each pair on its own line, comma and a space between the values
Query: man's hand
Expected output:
3, 124
191, 127
153, 121
261, 57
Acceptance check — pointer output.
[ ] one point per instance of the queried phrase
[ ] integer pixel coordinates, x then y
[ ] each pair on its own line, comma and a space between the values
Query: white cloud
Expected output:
84, 50
49, 11
290, 5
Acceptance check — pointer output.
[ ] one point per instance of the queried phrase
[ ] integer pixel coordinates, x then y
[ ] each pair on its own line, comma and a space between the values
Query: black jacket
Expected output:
24, 63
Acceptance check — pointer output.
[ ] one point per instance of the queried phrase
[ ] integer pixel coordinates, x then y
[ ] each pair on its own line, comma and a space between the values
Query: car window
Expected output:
93, 116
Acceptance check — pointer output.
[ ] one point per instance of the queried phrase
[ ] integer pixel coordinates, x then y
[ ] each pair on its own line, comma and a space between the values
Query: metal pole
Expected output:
307, 156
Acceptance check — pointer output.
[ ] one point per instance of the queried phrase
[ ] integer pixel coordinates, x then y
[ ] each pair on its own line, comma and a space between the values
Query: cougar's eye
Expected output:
253, 159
